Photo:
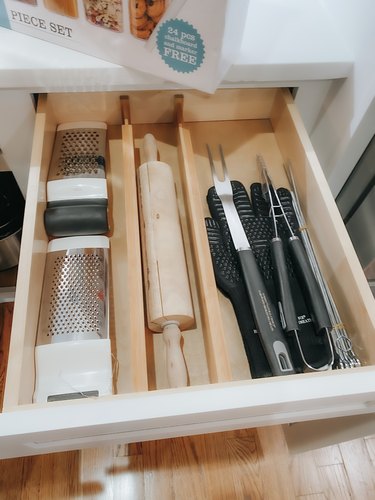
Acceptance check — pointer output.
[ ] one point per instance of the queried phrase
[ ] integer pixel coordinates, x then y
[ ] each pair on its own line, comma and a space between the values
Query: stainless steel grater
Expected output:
74, 302
79, 151
77, 198
73, 350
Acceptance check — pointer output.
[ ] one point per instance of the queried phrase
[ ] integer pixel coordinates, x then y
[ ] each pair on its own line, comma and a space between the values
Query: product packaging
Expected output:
190, 42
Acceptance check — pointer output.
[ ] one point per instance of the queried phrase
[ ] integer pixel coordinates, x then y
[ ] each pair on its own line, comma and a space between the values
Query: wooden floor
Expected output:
248, 464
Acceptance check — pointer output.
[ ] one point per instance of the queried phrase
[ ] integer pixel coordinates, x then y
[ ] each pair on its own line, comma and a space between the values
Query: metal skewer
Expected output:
346, 357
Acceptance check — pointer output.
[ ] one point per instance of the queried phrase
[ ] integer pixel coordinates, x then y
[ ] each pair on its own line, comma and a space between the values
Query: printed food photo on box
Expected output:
176, 40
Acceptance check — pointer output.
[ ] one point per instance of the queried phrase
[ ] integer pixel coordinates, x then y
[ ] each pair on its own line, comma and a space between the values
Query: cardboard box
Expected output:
191, 42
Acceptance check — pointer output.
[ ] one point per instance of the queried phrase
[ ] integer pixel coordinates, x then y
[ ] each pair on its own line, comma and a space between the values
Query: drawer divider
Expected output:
214, 338
136, 324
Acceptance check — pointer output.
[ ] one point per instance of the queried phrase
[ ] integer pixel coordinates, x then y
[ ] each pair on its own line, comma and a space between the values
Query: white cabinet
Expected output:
17, 116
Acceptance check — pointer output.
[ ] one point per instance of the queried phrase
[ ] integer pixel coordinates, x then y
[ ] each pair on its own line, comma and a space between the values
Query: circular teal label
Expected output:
180, 45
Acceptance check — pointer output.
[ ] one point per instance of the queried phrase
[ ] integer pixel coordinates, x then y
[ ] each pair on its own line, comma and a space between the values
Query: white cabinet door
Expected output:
17, 117
305, 436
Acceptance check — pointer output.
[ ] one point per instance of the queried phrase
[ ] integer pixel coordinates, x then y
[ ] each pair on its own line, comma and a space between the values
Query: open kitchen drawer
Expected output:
221, 394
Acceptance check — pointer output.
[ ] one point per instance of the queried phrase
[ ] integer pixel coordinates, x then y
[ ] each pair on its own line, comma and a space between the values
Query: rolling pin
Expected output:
168, 299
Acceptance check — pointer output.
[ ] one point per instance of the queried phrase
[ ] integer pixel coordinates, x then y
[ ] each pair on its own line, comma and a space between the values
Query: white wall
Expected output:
343, 125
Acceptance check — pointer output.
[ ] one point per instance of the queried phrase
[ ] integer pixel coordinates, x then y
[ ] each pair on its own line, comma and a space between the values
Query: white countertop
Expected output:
284, 42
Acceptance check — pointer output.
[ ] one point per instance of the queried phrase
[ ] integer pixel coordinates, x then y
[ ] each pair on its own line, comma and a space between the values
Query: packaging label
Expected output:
4, 21
180, 45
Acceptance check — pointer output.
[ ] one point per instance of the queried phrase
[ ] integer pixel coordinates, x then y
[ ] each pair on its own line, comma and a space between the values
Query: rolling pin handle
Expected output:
176, 366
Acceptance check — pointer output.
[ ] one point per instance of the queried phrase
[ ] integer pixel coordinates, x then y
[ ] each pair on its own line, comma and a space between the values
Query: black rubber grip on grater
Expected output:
229, 281
78, 218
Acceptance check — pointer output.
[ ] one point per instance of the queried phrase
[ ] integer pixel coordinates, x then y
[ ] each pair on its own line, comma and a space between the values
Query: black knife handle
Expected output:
283, 285
310, 285
265, 316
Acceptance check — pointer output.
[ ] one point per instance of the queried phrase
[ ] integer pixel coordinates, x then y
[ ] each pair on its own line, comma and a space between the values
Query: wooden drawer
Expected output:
221, 394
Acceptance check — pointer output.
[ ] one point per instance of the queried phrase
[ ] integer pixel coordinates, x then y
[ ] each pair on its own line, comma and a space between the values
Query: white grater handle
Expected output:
78, 242
77, 188
73, 368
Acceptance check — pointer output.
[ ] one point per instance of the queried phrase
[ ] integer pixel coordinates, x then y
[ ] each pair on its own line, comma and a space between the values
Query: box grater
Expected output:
73, 352
76, 187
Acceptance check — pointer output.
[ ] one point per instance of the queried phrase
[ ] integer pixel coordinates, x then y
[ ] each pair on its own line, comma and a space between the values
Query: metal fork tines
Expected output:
225, 192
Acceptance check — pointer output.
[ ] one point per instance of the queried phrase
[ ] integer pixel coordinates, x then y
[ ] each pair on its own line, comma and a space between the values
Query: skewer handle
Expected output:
307, 279
290, 322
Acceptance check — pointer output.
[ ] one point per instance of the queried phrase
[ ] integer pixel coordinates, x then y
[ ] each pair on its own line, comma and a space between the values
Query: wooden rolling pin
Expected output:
169, 305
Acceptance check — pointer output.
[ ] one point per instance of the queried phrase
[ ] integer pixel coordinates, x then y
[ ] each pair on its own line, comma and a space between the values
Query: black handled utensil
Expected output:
303, 270
287, 309
229, 281
346, 357
264, 311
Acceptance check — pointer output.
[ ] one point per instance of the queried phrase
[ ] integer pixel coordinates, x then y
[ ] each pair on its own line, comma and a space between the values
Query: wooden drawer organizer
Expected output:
221, 395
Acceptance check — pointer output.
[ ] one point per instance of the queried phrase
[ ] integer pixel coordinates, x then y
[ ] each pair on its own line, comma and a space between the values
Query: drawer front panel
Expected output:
172, 413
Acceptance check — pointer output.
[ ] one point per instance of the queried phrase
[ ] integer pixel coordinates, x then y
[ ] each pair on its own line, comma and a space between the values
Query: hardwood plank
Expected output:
31, 477
187, 470
336, 483
158, 465
94, 478
317, 496
274, 461
305, 475
217, 475
131, 449
370, 445
40, 477
360, 469
217, 466
52, 476
11, 478
329, 455
127, 475
245, 468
